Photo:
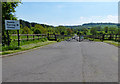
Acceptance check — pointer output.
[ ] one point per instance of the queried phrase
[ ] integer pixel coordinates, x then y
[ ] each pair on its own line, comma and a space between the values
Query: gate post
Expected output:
55, 37
48, 36
103, 37
79, 37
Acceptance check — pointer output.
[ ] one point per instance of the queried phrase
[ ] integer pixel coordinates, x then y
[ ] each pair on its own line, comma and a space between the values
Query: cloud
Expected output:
91, 19
111, 18
103, 19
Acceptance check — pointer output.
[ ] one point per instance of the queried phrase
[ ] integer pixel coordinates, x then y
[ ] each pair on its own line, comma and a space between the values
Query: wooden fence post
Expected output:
27, 37
55, 37
103, 37
116, 37
48, 36
38, 37
8, 38
18, 38
79, 37
99, 37
110, 38
107, 36
93, 37
33, 37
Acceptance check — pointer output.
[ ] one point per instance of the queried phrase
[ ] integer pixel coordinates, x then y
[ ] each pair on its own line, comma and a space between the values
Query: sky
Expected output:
68, 13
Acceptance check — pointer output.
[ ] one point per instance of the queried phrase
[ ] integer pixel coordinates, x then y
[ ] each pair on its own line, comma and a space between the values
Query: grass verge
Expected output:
28, 47
112, 43
109, 42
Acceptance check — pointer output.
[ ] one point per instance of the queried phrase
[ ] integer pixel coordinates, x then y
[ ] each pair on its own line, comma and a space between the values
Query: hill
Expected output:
32, 24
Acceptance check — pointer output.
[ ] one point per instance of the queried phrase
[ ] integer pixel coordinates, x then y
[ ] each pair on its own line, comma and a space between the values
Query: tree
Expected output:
106, 29
93, 31
69, 31
62, 33
50, 30
39, 29
112, 30
118, 31
8, 10
98, 28
61, 29
26, 30
85, 30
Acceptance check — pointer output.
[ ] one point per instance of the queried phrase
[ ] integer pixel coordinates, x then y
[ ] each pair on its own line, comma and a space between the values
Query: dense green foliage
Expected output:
101, 28
8, 10
35, 28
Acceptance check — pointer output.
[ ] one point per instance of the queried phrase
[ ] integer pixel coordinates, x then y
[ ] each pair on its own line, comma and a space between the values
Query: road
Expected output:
66, 61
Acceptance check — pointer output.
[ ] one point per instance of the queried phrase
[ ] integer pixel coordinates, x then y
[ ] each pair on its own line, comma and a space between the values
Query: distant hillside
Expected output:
97, 24
74, 27
100, 24
29, 25
88, 25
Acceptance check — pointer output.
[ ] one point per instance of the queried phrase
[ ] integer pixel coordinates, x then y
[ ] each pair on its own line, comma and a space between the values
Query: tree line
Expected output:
35, 28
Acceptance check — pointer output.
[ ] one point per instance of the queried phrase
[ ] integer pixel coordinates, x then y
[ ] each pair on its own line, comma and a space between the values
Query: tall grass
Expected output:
14, 44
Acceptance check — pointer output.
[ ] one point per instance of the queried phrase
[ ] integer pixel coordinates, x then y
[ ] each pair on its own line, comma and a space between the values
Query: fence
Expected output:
27, 37
115, 37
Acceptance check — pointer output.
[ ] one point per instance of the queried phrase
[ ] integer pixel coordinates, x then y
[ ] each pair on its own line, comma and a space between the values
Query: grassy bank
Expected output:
27, 45
112, 43
109, 42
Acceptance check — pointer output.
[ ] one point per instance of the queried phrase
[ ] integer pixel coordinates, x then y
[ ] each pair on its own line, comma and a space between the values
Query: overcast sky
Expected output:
68, 13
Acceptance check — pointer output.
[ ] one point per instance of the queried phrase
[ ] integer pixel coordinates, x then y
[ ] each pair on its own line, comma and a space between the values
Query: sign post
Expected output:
12, 25
8, 43
18, 38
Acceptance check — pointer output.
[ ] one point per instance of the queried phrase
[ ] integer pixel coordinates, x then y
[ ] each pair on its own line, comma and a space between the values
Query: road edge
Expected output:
21, 52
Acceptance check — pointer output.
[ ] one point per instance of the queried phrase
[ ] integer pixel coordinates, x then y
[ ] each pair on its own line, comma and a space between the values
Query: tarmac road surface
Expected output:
66, 61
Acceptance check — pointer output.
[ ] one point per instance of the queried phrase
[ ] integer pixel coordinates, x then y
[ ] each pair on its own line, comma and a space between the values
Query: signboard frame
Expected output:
12, 25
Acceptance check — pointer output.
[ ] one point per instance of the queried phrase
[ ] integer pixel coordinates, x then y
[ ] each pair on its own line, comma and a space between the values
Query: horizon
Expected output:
72, 25
68, 13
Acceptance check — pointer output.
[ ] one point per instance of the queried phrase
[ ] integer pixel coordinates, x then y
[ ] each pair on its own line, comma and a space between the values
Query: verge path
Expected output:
70, 61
